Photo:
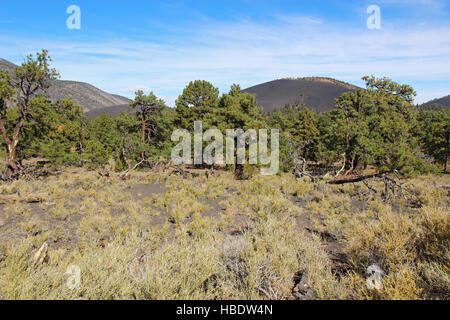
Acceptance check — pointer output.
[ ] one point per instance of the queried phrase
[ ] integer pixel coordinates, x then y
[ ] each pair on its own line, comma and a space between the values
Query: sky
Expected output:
160, 46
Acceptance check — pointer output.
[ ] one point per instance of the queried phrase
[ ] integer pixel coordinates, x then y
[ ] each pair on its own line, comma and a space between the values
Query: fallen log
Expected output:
360, 178
28, 198
391, 185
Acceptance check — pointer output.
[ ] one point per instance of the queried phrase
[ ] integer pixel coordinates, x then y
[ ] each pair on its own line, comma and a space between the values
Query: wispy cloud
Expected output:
136, 88
429, 3
249, 52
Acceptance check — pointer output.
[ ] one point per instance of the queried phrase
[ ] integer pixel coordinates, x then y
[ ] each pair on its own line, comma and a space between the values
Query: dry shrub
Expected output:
411, 249
386, 241
261, 255
433, 238
399, 285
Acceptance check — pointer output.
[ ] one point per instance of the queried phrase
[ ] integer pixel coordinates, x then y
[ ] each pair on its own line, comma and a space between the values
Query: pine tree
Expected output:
196, 103
147, 107
238, 110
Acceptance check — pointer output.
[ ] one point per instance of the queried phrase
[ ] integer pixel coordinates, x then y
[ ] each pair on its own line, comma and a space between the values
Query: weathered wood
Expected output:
124, 174
343, 165
360, 178
29, 198
41, 255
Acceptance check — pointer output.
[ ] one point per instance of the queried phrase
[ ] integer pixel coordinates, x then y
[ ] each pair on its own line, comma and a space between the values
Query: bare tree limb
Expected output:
343, 166
124, 174
359, 179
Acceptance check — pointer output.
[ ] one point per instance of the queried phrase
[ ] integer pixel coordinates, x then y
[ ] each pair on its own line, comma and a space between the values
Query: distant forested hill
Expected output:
445, 102
83, 94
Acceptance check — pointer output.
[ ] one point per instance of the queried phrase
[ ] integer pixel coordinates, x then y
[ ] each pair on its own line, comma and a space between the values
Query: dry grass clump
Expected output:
411, 246
148, 267
212, 237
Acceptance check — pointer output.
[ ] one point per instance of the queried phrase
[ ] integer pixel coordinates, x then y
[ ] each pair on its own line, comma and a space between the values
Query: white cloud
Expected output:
249, 52
429, 3
133, 89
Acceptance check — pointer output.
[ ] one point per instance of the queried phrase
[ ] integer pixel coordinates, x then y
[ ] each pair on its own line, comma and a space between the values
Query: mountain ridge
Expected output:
444, 101
318, 93
82, 93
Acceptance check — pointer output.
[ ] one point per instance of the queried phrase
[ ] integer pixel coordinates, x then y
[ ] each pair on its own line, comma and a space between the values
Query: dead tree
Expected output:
124, 174
360, 178
391, 179
343, 166
299, 169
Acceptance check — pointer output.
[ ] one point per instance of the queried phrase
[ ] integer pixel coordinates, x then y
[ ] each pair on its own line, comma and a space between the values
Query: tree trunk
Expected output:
13, 164
11, 144
343, 166
29, 198
446, 164
80, 139
352, 166
238, 168
239, 171
11, 161
125, 158
143, 135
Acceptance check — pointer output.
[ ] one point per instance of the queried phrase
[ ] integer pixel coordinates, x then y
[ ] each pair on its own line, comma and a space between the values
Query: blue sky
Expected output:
123, 46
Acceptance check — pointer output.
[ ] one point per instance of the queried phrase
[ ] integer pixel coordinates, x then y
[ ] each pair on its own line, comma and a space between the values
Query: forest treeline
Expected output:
377, 126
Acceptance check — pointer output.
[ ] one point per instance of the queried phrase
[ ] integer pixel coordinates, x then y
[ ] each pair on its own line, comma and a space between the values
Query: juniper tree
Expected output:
375, 126
64, 143
434, 134
33, 77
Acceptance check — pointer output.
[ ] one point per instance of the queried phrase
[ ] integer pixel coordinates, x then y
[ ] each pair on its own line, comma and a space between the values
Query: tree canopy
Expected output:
376, 126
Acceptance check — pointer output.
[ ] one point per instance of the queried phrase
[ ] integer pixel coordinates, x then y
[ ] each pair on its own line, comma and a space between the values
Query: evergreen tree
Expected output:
434, 134
104, 141
238, 110
375, 126
300, 133
197, 102
64, 143
147, 108
29, 80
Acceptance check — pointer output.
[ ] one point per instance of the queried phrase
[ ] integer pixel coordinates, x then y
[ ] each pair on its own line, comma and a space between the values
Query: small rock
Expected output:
302, 290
